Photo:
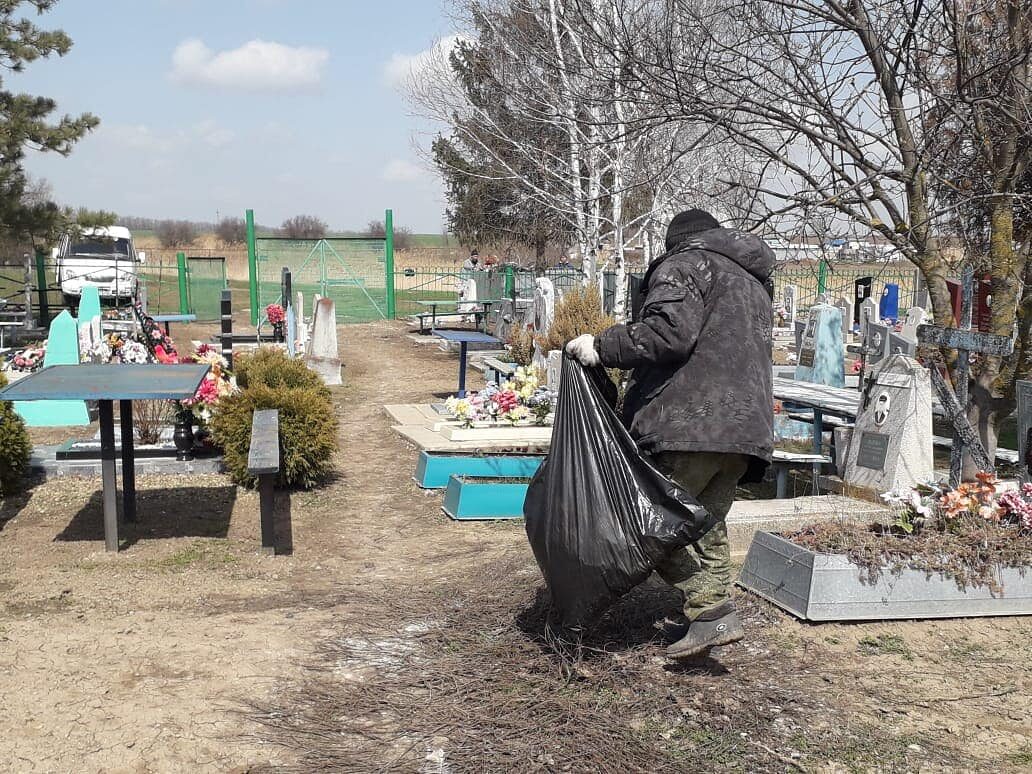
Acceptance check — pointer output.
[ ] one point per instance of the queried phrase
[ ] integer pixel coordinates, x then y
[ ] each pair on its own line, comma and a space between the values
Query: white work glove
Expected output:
583, 349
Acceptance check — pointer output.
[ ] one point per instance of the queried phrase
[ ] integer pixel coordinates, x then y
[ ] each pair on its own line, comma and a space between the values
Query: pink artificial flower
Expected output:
163, 356
275, 313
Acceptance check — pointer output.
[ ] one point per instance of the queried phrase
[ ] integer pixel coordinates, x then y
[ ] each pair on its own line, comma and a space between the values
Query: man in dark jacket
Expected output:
699, 400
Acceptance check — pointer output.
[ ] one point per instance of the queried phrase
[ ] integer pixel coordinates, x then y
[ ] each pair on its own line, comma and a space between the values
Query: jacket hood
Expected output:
747, 250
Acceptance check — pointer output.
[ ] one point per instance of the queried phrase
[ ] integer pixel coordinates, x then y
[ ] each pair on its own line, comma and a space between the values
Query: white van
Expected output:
105, 257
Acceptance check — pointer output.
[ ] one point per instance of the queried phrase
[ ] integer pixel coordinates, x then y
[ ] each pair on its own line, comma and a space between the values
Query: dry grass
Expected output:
471, 676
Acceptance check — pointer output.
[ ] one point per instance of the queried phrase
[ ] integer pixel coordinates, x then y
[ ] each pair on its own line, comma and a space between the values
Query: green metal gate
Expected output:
350, 270
206, 279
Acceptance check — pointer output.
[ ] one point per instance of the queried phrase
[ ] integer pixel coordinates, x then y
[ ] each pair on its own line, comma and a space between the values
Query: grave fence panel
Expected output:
840, 279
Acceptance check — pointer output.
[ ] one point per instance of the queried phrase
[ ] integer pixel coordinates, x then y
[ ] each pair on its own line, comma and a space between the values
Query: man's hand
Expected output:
583, 349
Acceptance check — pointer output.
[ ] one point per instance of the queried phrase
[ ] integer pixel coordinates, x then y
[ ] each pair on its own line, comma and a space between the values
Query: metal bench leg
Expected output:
782, 482
267, 503
125, 411
816, 478
107, 467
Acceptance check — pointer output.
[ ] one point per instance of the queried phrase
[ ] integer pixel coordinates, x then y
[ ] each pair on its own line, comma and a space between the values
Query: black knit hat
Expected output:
688, 223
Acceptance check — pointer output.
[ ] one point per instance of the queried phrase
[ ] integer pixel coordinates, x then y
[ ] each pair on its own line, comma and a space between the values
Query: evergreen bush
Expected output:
272, 367
15, 447
307, 428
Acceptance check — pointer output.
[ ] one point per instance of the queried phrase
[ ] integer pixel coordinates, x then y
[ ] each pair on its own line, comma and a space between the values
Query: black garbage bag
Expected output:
599, 516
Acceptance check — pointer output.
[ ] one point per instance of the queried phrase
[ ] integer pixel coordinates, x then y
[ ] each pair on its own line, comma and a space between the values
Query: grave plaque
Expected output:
806, 358
891, 448
872, 451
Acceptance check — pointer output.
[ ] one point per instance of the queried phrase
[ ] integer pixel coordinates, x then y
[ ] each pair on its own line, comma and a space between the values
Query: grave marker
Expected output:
861, 292
821, 352
876, 343
915, 318
891, 447
790, 299
62, 349
325, 354
888, 308
846, 310
1024, 395
954, 404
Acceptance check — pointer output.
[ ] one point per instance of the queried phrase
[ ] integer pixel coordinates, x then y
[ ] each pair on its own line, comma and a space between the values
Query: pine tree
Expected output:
26, 122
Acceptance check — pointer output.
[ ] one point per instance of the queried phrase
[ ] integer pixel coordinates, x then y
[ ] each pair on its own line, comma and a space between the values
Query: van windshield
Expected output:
107, 247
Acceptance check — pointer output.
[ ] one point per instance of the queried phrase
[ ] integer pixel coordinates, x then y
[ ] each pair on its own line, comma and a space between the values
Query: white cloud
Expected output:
140, 137
258, 65
401, 171
402, 67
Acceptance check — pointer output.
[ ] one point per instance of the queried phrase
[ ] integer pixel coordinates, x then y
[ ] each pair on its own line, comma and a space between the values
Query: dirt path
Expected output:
394, 637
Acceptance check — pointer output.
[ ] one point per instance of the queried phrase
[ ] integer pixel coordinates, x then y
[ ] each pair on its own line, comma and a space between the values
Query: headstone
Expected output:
89, 304
553, 368
845, 308
888, 307
891, 447
868, 313
861, 292
62, 349
790, 300
544, 305
1024, 394
876, 343
920, 290
302, 327
89, 320
915, 317
467, 295
800, 326
325, 355
821, 352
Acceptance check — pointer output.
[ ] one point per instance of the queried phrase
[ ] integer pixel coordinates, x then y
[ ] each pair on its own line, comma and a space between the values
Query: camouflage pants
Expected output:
702, 570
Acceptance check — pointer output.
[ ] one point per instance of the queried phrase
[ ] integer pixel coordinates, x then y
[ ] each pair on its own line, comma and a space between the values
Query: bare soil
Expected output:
395, 639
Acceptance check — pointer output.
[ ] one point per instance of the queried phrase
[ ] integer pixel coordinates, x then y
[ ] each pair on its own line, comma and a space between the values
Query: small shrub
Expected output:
521, 346
272, 367
308, 432
15, 447
579, 311
149, 416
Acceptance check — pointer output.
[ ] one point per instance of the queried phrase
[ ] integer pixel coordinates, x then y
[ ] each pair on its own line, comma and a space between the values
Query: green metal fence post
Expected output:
510, 283
184, 296
41, 287
822, 277
388, 262
252, 266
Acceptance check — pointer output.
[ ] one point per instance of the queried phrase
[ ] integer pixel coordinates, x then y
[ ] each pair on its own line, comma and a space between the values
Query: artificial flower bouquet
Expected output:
515, 402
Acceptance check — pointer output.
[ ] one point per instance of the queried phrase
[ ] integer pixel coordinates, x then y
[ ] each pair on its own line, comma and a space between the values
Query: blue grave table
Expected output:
106, 384
166, 319
464, 339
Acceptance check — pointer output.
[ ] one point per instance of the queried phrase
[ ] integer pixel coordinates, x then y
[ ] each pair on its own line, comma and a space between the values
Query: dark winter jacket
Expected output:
701, 350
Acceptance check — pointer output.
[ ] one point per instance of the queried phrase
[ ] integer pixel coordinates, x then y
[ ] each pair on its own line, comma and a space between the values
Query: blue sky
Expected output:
283, 106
